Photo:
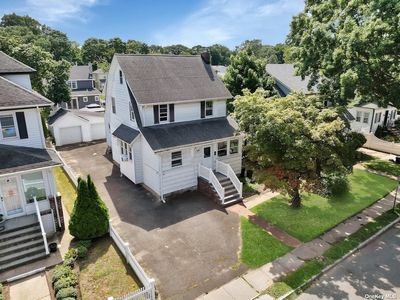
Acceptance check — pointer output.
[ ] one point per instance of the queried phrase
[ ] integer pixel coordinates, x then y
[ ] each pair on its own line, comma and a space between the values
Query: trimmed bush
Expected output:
89, 218
85, 243
336, 184
82, 251
62, 271
65, 282
67, 292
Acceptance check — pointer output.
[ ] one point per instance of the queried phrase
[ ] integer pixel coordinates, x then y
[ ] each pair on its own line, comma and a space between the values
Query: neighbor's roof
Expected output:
347, 114
126, 133
13, 95
220, 70
172, 135
79, 72
86, 115
11, 65
16, 159
58, 114
286, 74
92, 92
171, 78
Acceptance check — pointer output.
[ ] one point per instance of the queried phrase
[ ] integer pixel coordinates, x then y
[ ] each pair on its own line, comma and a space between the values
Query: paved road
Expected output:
372, 273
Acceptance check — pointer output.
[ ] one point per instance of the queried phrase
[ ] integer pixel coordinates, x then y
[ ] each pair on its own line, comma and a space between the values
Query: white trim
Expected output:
184, 101
30, 170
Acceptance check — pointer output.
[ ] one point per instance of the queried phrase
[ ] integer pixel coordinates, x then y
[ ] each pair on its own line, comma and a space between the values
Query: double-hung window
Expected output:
233, 146
126, 150
34, 187
366, 117
7, 125
176, 159
131, 112
222, 148
358, 117
209, 108
163, 112
72, 85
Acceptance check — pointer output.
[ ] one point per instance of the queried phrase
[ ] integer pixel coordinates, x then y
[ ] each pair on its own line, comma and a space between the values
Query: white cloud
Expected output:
226, 21
55, 11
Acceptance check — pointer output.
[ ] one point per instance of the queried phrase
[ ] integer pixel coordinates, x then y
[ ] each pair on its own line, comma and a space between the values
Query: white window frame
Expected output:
126, 149
165, 115
222, 149
15, 126
85, 99
121, 77
358, 116
209, 109
236, 148
73, 84
176, 161
365, 117
96, 98
131, 112
24, 185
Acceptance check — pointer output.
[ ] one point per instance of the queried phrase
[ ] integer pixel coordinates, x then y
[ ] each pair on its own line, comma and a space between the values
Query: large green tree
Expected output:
294, 143
137, 47
351, 49
247, 72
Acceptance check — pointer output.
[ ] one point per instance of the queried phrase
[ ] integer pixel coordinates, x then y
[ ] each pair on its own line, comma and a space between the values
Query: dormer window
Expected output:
72, 85
121, 79
206, 108
131, 112
163, 111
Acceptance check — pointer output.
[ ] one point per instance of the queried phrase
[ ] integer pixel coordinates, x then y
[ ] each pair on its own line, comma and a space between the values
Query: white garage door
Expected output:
70, 135
98, 132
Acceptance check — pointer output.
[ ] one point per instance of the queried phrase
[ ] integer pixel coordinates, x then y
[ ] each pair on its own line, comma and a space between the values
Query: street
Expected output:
372, 273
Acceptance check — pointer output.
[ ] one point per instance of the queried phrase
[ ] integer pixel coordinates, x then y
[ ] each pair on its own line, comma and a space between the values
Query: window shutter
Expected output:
171, 113
23, 131
202, 109
156, 116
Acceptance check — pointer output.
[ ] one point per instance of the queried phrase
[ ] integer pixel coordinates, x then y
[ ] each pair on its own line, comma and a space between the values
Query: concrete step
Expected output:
18, 228
22, 261
233, 201
22, 254
20, 247
21, 240
232, 197
21, 232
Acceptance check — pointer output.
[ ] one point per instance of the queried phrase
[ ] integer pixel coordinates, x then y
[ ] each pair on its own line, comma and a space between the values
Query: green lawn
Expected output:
66, 188
318, 214
384, 166
258, 246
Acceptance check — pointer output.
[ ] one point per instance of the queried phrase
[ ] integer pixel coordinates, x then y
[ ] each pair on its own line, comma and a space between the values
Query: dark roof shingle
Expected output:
13, 95
16, 159
125, 133
172, 135
11, 65
55, 116
171, 78
79, 72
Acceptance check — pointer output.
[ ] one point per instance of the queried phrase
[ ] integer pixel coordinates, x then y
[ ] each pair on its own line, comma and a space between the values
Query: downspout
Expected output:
372, 121
161, 179
41, 127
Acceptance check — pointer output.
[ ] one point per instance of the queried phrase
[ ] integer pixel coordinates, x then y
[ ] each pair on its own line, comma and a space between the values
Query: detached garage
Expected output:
71, 127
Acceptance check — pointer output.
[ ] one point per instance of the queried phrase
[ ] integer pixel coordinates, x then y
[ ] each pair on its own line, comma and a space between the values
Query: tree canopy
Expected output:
294, 142
351, 49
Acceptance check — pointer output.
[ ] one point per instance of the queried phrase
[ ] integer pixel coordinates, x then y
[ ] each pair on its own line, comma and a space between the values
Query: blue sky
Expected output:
164, 22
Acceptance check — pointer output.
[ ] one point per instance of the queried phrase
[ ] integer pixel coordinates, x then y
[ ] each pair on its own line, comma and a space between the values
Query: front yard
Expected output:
318, 214
103, 272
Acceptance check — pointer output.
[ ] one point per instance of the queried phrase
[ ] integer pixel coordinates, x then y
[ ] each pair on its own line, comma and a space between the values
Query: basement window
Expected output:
176, 159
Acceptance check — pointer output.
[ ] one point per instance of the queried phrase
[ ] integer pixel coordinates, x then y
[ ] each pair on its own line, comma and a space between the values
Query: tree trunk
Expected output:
296, 199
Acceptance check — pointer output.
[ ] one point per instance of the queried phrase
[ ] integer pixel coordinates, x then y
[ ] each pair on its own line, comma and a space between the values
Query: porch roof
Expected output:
162, 137
125, 133
15, 159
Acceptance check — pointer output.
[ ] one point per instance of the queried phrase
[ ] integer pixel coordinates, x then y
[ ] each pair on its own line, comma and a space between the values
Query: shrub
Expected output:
65, 282
336, 184
62, 271
67, 292
82, 251
85, 243
89, 218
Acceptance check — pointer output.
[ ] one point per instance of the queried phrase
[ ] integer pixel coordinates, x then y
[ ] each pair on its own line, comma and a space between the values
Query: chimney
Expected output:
206, 57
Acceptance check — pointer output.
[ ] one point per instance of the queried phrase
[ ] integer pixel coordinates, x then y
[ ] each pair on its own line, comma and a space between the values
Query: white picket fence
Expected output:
147, 292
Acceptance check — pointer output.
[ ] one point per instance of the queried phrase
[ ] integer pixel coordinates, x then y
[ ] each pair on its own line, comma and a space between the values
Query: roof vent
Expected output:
206, 57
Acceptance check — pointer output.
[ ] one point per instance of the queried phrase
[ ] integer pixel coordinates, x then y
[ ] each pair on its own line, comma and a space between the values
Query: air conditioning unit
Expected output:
124, 158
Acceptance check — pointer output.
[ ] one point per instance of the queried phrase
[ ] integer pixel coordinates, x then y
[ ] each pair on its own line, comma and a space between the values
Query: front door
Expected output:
10, 197
207, 157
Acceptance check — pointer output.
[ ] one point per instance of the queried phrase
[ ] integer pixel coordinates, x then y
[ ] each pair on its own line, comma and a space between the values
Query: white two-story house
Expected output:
29, 211
167, 125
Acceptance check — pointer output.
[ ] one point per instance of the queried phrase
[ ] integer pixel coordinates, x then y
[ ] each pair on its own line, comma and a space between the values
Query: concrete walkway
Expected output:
32, 288
253, 283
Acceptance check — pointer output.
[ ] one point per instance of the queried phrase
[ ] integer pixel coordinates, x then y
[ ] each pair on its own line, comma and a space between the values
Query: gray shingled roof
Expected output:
162, 137
13, 95
16, 159
92, 92
171, 78
55, 116
286, 74
11, 65
79, 72
126, 133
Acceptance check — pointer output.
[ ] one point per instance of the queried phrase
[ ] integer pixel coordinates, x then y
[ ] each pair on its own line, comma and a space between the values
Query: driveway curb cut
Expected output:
326, 269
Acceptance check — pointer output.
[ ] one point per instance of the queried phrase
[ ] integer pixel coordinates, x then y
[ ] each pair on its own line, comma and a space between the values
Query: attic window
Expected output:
163, 112
72, 85
176, 159
209, 108
121, 80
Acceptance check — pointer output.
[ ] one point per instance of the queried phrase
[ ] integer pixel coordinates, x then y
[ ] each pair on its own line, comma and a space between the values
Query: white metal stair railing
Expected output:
46, 246
226, 169
209, 175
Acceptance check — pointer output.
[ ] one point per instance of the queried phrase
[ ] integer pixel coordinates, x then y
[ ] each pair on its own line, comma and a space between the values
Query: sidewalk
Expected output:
253, 283
32, 288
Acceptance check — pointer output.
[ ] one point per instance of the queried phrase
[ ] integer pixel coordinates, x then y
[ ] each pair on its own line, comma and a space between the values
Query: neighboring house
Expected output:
100, 78
25, 169
76, 126
220, 70
83, 91
364, 118
167, 125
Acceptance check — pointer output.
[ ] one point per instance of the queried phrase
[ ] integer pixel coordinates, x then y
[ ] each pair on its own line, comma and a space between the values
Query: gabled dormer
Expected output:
15, 71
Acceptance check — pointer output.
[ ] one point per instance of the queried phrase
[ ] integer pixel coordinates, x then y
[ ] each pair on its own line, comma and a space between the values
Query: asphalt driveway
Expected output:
189, 245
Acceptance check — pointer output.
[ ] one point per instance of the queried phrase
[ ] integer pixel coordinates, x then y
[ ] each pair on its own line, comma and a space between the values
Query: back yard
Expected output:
318, 214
